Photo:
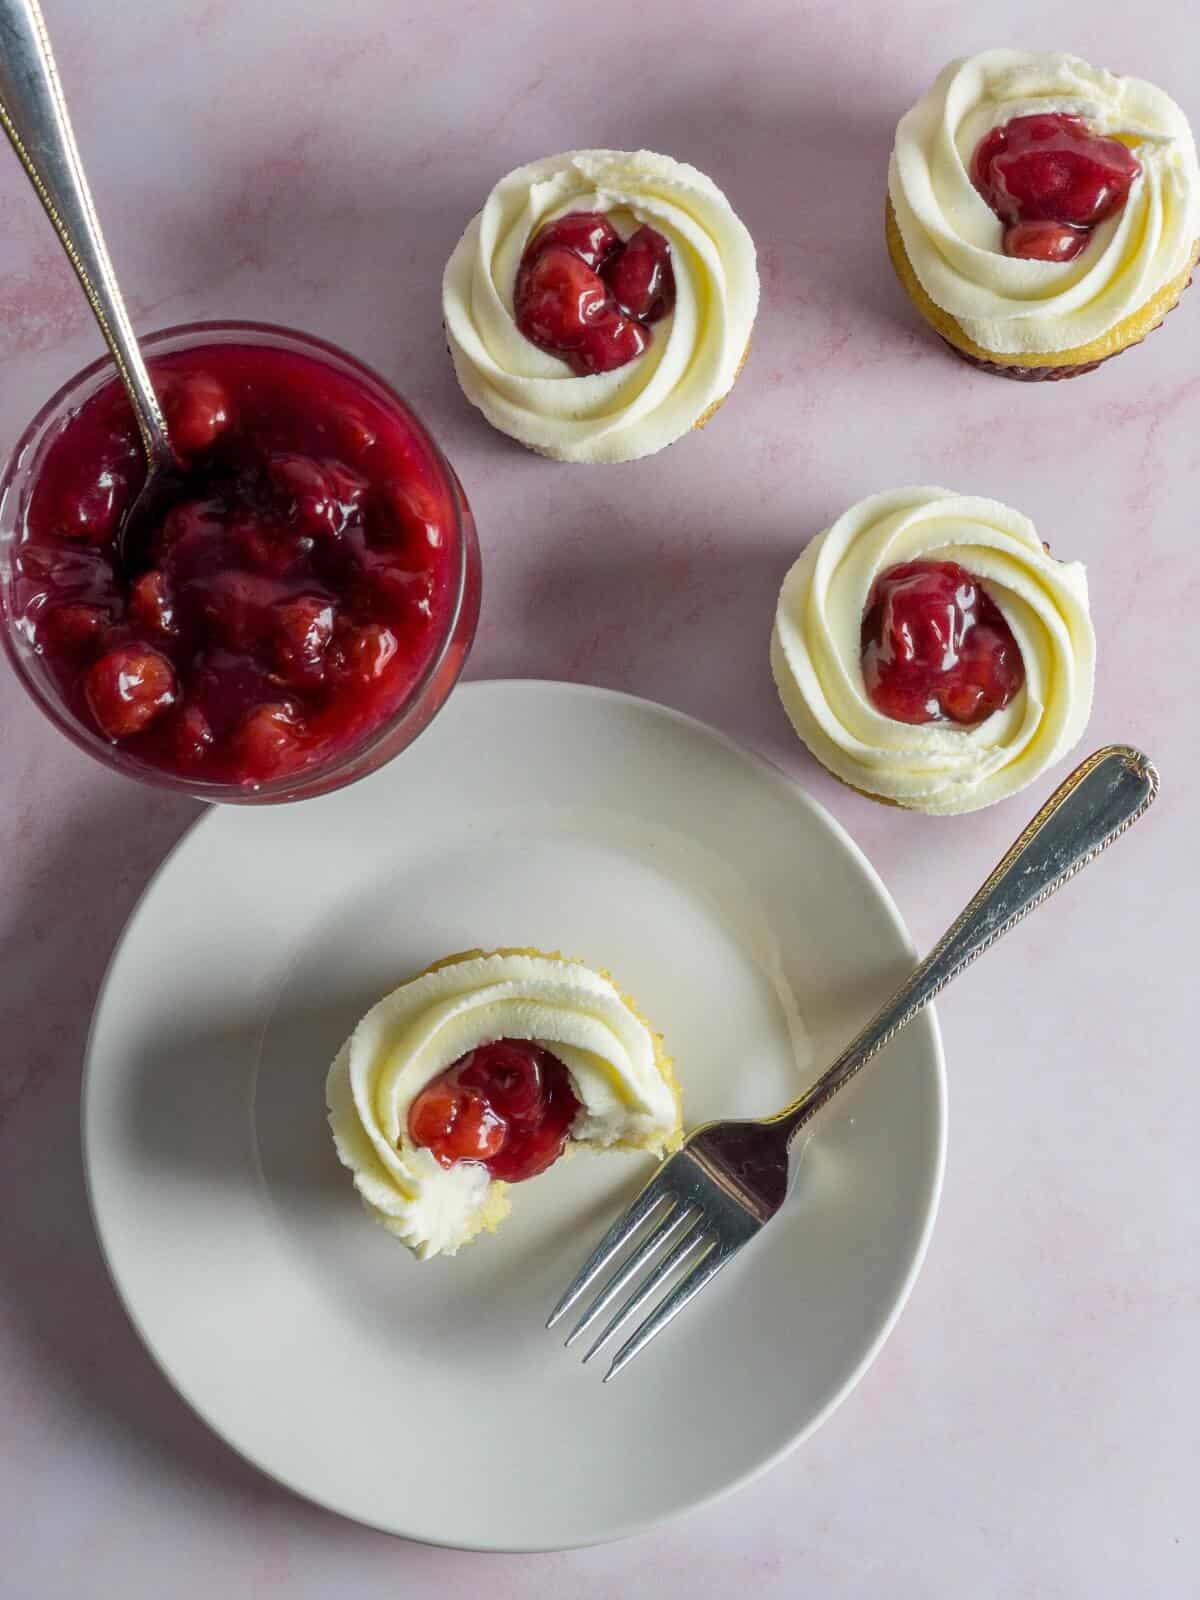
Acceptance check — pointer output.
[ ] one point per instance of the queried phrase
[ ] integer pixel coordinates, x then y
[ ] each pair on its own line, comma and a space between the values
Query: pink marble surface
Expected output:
1030, 1428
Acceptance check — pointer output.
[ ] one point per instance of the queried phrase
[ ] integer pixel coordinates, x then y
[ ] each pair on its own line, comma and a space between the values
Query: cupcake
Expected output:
1043, 214
600, 305
481, 1072
931, 653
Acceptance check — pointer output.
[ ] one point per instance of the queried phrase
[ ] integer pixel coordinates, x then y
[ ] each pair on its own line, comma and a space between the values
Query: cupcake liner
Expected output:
1030, 374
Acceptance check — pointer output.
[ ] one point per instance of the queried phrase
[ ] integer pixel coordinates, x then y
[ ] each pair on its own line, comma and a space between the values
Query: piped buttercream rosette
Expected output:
935, 766
618, 1070
695, 354
947, 241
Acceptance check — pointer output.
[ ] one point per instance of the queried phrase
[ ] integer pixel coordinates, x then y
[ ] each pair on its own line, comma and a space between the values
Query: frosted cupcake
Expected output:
1043, 214
600, 305
931, 653
480, 1073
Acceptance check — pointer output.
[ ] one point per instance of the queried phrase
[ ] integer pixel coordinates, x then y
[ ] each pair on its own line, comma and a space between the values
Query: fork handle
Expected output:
1100, 799
33, 113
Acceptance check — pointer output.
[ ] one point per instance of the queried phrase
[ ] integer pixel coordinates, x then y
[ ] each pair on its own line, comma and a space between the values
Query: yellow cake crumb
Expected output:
1130, 330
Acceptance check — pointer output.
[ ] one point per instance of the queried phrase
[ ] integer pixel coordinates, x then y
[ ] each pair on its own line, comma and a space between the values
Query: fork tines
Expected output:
676, 1208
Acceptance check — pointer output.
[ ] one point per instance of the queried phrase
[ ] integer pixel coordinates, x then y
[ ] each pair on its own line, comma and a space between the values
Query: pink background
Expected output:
1030, 1428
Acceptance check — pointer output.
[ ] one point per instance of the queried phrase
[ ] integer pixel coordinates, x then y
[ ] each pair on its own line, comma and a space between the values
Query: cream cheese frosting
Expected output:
953, 239
936, 767
696, 351
428, 1024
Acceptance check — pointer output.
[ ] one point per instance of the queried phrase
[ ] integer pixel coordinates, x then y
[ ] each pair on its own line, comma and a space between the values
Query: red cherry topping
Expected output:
363, 654
356, 432
150, 608
416, 512
509, 1105
1050, 168
226, 685
641, 277
585, 295
127, 688
294, 590
935, 646
589, 234
557, 295
1045, 241
300, 633
192, 735
267, 738
320, 496
234, 607
74, 627
396, 589
268, 548
564, 307
509, 1072
189, 534
456, 1123
197, 410
90, 511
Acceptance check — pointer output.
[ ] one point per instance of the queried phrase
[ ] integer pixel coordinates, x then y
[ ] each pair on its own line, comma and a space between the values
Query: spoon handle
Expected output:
1105, 795
33, 113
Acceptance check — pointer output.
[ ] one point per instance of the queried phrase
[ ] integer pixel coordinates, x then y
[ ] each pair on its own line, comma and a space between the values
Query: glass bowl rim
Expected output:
322, 777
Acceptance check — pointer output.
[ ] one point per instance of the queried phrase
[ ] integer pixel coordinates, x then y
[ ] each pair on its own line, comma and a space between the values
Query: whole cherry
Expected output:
508, 1104
936, 647
1051, 180
586, 295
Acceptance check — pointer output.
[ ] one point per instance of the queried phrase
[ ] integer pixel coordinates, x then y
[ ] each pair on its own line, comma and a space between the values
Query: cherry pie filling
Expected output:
1050, 180
286, 605
585, 294
508, 1105
936, 647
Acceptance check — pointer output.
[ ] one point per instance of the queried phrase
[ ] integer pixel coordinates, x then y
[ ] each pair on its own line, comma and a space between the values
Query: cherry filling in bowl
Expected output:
508, 1105
1051, 180
591, 297
936, 647
316, 575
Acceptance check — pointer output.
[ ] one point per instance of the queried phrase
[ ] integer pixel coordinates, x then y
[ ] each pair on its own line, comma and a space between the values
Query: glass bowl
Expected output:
400, 726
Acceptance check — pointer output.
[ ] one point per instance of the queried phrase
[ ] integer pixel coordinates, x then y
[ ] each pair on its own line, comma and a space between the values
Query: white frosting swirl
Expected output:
695, 353
937, 767
954, 240
426, 1025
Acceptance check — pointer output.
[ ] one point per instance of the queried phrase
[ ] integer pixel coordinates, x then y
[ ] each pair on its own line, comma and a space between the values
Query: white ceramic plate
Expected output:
427, 1399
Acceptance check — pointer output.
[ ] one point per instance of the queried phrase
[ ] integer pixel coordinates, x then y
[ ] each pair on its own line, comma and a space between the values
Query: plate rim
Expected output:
928, 1020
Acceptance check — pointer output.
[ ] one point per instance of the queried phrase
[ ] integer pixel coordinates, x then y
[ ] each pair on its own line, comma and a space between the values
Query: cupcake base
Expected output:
1027, 374
1035, 367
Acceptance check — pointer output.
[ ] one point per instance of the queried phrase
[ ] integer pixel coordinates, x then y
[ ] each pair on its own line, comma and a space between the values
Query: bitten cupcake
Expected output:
600, 305
931, 653
481, 1072
1043, 214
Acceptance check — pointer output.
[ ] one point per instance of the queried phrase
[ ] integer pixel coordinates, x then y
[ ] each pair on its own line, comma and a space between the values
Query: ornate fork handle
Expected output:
1101, 798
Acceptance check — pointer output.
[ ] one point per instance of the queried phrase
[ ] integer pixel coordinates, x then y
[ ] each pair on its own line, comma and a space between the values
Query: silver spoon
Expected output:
33, 112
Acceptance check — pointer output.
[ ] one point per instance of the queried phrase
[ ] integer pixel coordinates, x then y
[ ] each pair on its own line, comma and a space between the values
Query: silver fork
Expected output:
730, 1178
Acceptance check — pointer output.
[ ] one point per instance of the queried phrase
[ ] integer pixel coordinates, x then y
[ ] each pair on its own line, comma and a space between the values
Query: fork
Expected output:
730, 1178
